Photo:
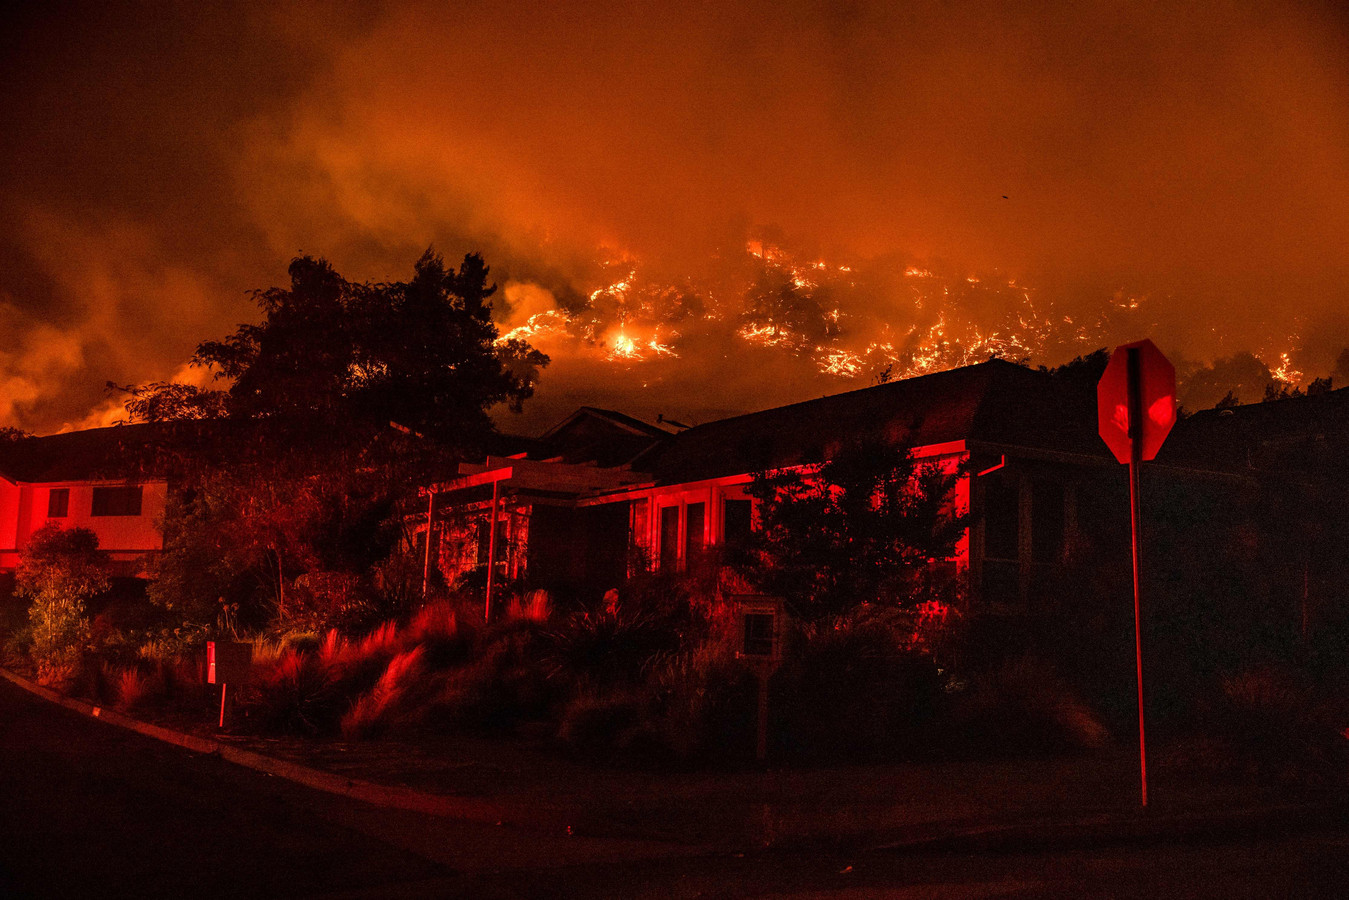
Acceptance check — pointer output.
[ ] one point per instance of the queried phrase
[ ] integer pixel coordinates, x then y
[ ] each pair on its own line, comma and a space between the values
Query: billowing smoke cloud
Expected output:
1101, 170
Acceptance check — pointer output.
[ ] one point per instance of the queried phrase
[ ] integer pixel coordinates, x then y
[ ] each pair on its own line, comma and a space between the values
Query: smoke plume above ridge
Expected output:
769, 181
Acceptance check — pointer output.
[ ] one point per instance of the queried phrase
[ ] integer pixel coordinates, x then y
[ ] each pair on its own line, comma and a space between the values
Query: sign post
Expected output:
227, 662
1136, 406
761, 622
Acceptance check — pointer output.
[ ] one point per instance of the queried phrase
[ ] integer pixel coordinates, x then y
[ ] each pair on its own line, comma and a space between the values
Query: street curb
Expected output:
465, 809
1081, 833
1137, 830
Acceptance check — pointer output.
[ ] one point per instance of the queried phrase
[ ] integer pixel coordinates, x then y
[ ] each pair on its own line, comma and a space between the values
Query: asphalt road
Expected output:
88, 810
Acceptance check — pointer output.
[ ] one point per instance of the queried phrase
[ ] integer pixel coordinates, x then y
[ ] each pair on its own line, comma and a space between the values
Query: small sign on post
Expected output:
1136, 407
761, 621
227, 662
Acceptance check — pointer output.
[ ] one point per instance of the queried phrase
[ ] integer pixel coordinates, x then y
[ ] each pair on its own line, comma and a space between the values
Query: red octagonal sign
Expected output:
1155, 380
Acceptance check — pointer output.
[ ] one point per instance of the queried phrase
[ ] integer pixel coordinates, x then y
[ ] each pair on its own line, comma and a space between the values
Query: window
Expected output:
669, 536
1046, 531
738, 521
117, 501
58, 503
1002, 517
694, 517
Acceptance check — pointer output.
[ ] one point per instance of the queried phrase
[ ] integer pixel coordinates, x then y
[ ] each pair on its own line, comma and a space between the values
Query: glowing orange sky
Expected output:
159, 163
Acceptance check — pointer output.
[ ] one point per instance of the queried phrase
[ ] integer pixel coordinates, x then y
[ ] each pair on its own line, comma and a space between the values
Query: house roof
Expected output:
995, 402
601, 436
112, 453
1296, 433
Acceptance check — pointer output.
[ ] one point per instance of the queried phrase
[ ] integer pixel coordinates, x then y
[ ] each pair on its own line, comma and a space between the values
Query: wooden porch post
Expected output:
430, 522
492, 551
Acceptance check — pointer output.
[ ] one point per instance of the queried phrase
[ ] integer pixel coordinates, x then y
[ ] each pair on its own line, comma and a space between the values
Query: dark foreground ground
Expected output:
89, 810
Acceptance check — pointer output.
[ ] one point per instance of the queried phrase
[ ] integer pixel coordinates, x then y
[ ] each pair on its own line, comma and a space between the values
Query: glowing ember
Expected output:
623, 346
547, 323
820, 312
843, 363
1285, 371
765, 335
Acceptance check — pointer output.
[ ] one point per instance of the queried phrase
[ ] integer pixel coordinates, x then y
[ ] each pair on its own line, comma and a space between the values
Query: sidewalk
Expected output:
1004, 805
1009, 804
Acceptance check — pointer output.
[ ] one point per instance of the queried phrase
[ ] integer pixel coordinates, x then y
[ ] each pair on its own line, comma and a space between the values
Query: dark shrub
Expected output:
502, 685
609, 647
295, 693
1264, 723
851, 688
1020, 708
600, 724
703, 706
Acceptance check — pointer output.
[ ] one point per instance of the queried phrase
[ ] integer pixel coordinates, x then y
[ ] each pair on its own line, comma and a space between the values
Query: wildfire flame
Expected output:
848, 321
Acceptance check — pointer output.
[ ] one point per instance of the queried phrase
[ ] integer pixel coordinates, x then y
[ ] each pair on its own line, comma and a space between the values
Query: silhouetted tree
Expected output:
341, 399
862, 527
335, 358
1241, 375
1088, 368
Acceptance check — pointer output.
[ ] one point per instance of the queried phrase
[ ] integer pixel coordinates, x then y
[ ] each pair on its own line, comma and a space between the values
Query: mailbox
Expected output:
228, 662
760, 627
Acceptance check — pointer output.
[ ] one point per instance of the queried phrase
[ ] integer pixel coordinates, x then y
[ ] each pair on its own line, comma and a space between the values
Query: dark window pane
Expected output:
758, 634
117, 501
739, 516
693, 529
1001, 516
669, 536
1000, 582
58, 503
1046, 521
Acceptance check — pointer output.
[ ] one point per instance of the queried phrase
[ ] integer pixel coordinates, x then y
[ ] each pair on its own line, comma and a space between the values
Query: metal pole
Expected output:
492, 552
223, 688
761, 743
1135, 374
426, 563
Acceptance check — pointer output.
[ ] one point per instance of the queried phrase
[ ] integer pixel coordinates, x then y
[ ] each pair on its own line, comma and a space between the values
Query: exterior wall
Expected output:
460, 542
9, 517
1027, 521
125, 538
650, 505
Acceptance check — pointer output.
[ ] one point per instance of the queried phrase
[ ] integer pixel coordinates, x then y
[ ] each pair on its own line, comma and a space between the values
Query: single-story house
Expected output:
601, 493
96, 479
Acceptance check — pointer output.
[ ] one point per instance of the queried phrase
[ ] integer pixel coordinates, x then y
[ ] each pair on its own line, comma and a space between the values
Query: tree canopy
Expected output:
298, 473
862, 527
61, 569
338, 359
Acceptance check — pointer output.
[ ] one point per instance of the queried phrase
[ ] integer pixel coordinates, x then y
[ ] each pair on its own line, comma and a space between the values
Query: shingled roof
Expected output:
997, 403
601, 436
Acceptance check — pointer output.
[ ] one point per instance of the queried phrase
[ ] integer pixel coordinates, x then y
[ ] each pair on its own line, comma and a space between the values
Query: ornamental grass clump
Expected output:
294, 693
137, 689
502, 685
398, 699
703, 706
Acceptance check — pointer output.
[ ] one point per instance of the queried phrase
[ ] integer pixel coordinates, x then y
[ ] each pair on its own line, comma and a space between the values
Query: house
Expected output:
102, 479
601, 493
